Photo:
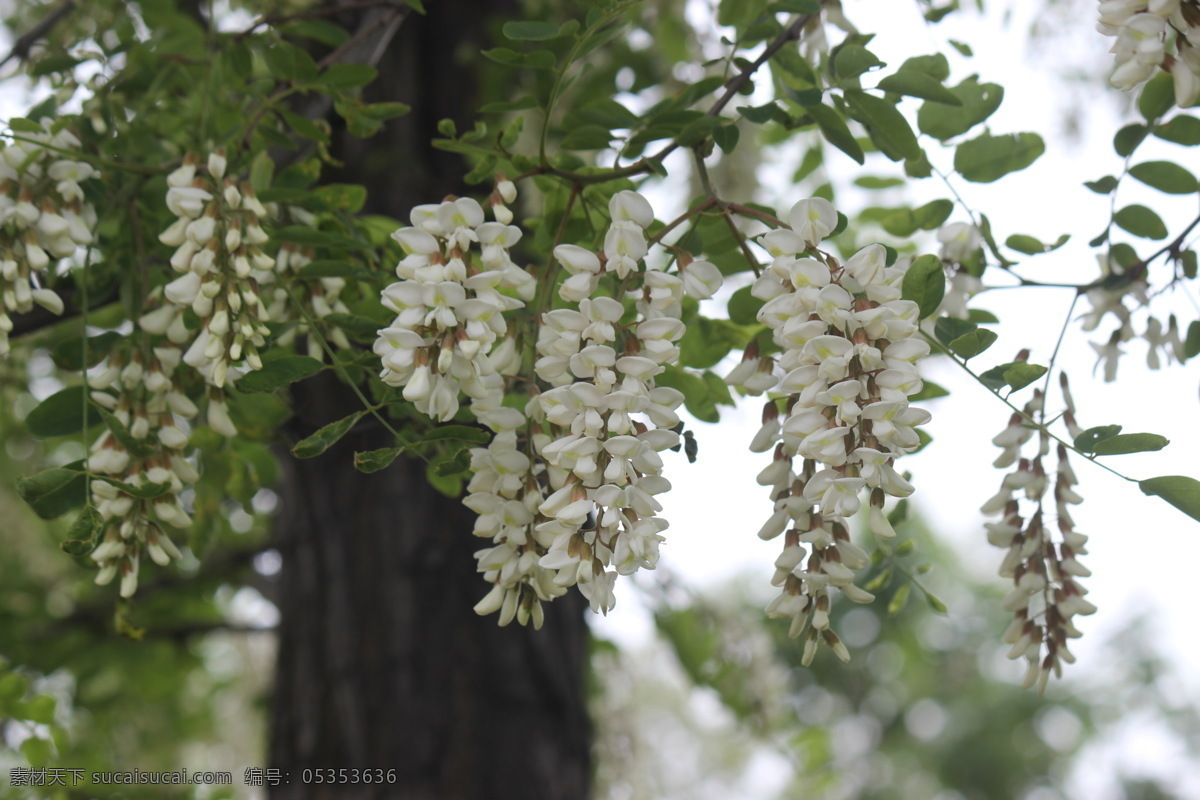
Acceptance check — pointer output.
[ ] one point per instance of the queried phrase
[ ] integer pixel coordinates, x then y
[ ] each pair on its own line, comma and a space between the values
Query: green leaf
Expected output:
358, 328
887, 127
465, 433
979, 101
40, 709
877, 182
836, 132
972, 344
852, 60
539, 59
1191, 344
280, 372
53, 492
934, 66
290, 63
1103, 185
988, 158
22, 125
1180, 129
1178, 490
947, 329
1157, 97
1166, 176
348, 76
905, 222
743, 307
456, 464
925, 284
1124, 443
1141, 221
84, 533
1020, 374
1086, 442
60, 414
529, 31
726, 137
318, 30
1032, 246
375, 460
918, 84
324, 438
37, 751
587, 137
69, 355
1126, 140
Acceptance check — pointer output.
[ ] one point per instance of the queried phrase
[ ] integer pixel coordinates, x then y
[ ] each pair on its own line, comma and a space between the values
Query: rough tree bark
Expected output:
382, 662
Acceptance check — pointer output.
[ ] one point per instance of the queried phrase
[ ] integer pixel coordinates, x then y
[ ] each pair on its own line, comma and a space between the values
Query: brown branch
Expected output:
25, 43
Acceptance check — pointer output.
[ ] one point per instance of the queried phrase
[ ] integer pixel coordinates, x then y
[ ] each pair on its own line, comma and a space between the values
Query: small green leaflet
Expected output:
1123, 443
280, 372
1032, 246
1166, 176
988, 158
60, 414
1141, 221
925, 284
375, 460
919, 84
325, 437
1086, 442
1178, 490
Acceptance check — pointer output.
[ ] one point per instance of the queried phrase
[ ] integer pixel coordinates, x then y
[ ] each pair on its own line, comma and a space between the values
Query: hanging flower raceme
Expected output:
605, 419
566, 488
846, 368
1144, 31
321, 297
218, 239
1042, 564
141, 389
43, 218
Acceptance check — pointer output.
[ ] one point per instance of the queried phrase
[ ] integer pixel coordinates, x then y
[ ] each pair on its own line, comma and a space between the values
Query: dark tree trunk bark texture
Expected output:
383, 665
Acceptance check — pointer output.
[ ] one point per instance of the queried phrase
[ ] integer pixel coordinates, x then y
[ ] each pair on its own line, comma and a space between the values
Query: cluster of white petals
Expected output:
142, 391
450, 335
1144, 31
218, 238
1044, 567
960, 242
846, 366
321, 298
1163, 342
43, 218
566, 488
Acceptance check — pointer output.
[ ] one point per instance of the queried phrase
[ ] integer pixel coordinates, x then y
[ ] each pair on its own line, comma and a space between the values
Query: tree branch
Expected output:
20, 49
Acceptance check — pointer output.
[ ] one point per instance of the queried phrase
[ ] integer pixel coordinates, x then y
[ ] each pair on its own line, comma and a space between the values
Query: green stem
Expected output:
1034, 423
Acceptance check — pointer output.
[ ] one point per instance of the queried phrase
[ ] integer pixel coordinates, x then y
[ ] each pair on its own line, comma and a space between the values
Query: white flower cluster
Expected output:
1044, 568
322, 298
1161, 341
142, 391
605, 418
848, 366
566, 489
43, 216
218, 239
1143, 31
449, 335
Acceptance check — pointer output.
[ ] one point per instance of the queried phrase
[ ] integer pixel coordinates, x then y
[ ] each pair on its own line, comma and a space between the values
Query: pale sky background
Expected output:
1143, 553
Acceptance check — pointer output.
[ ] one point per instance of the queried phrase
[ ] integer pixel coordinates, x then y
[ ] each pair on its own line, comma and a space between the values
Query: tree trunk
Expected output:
383, 665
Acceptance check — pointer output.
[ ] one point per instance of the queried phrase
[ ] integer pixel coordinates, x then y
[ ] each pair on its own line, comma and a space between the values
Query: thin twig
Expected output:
25, 43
